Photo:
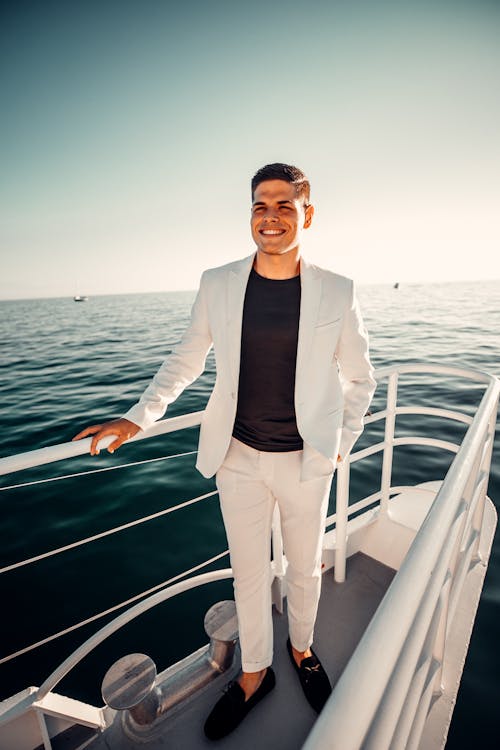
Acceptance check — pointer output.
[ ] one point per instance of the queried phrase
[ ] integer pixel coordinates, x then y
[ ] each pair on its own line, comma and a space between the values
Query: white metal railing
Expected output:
343, 510
397, 666
72, 449
421, 611
81, 447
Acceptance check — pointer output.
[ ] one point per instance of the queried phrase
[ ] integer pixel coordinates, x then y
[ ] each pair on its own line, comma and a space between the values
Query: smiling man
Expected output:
293, 383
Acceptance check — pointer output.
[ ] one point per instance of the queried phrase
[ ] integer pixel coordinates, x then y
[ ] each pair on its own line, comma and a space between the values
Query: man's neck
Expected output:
283, 266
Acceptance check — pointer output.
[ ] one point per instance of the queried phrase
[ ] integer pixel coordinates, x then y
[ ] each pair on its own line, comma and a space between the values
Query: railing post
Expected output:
390, 422
342, 509
477, 520
47, 744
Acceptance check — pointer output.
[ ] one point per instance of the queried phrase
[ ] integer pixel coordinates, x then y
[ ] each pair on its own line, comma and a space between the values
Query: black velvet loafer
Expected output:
231, 709
313, 678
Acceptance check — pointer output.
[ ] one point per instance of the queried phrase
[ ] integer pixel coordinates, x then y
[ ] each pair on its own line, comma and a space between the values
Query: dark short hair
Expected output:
285, 172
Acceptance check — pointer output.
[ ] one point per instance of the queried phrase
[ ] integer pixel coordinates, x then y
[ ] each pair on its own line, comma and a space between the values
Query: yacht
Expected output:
403, 570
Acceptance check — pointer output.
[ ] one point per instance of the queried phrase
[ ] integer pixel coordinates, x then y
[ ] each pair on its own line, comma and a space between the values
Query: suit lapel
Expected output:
236, 287
310, 298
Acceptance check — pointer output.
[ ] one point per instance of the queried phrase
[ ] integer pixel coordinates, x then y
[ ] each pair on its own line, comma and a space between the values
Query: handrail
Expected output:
435, 368
51, 453
389, 628
101, 470
429, 411
59, 452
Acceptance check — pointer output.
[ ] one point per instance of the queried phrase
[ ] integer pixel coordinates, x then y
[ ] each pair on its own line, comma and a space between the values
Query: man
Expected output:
293, 383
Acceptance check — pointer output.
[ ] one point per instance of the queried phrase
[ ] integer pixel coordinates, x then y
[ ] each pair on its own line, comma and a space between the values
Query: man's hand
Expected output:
122, 428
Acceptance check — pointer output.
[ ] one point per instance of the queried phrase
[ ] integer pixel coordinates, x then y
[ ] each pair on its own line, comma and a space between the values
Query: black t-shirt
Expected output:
265, 417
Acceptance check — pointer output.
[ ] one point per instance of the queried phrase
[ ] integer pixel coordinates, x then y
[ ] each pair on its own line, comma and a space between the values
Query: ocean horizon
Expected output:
361, 285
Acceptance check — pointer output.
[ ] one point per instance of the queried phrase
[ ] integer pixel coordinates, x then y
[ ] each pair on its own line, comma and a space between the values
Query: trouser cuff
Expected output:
256, 666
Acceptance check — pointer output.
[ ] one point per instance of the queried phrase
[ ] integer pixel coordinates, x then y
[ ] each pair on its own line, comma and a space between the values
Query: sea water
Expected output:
65, 365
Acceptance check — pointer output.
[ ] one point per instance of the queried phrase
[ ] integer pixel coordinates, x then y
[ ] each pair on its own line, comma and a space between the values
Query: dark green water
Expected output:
65, 365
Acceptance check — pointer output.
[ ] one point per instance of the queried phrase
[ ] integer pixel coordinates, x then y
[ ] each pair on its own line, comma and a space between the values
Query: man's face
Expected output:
278, 217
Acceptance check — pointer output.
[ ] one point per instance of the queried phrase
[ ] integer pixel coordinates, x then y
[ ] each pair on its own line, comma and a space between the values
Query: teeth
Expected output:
272, 231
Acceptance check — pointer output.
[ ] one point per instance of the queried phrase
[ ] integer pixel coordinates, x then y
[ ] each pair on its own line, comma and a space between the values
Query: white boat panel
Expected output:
21, 731
387, 541
411, 507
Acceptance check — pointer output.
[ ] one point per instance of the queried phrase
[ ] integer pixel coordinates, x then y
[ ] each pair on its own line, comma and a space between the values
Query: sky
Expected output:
129, 132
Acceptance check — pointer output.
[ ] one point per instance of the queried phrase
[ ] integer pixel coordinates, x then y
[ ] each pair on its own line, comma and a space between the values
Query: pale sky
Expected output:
130, 131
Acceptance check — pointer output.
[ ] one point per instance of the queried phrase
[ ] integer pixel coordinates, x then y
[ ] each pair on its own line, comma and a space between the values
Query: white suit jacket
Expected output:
334, 380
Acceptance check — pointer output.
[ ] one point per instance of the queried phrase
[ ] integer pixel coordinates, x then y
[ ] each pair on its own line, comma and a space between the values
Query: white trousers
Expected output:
249, 483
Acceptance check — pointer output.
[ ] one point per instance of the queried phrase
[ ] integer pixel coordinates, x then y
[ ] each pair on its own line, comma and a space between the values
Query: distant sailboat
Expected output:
396, 285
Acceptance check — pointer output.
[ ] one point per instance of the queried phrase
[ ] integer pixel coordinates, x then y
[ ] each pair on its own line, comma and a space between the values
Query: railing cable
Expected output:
132, 599
102, 534
95, 471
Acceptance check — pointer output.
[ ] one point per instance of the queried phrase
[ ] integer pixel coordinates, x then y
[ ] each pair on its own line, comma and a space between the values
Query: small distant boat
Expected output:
80, 298
396, 285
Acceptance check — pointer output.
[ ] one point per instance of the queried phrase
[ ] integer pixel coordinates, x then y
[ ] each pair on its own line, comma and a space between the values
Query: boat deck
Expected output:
284, 718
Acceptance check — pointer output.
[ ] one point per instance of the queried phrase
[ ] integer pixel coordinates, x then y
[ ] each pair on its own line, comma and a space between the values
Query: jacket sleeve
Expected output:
356, 374
184, 364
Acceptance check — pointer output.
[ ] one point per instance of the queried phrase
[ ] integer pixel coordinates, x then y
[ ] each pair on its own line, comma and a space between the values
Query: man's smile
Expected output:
271, 231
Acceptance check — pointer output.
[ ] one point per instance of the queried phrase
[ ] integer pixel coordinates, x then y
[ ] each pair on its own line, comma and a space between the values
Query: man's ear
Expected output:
309, 211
